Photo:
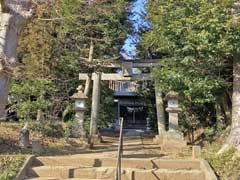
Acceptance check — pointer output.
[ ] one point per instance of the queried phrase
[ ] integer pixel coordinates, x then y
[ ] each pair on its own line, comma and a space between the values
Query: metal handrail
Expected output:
120, 152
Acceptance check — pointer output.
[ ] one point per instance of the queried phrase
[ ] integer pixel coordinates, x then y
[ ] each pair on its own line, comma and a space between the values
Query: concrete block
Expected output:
75, 161
169, 175
196, 152
173, 141
37, 147
88, 173
177, 164
52, 171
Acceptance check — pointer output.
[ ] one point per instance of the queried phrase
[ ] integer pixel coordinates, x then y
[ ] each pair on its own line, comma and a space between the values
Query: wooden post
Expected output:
160, 112
95, 103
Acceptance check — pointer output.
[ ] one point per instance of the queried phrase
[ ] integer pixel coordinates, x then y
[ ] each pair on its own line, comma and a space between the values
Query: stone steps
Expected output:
141, 160
139, 163
66, 172
51, 171
54, 178
166, 174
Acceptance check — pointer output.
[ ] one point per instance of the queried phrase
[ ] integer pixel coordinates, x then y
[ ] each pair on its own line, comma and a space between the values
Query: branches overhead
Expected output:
63, 39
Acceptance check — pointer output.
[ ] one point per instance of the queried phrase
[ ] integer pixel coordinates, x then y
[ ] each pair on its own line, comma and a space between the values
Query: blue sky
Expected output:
138, 11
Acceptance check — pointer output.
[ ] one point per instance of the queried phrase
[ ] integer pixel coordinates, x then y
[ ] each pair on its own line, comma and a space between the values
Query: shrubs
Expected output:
10, 165
48, 128
226, 165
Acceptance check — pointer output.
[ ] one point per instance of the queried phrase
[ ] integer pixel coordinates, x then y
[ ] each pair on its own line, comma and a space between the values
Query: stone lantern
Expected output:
174, 139
173, 110
80, 107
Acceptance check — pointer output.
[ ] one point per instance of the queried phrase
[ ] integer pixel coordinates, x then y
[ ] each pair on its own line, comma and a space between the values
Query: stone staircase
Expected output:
76, 167
142, 160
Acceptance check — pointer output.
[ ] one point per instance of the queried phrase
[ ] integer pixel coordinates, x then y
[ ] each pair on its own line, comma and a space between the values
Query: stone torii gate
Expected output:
127, 75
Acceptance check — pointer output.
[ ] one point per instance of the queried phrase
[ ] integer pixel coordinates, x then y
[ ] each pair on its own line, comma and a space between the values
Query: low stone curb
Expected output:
23, 171
208, 171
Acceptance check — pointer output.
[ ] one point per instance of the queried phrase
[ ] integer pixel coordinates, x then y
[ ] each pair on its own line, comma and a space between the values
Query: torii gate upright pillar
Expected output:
161, 119
95, 103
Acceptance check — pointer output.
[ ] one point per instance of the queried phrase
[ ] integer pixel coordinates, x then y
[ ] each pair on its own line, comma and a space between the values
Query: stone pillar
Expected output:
173, 120
80, 121
95, 103
37, 147
24, 137
173, 110
78, 129
80, 107
174, 139
160, 114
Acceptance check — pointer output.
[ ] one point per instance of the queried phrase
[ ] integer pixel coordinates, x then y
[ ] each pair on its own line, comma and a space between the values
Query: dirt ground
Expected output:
9, 141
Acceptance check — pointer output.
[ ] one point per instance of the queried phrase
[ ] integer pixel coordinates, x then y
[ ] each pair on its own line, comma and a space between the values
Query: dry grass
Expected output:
10, 165
9, 134
226, 165
12, 155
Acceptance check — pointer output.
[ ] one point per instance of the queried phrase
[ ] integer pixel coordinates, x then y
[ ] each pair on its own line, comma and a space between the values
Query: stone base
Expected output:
158, 139
37, 147
173, 141
77, 132
196, 152
95, 139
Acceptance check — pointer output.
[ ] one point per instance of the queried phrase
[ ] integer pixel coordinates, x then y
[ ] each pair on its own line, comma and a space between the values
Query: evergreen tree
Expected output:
195, 42
63, 40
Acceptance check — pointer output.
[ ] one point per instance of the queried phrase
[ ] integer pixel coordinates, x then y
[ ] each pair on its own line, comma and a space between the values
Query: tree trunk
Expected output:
13, 15
234, 138
4, 84
87, 86
9, 30
226, 108
220, 117
89, 79
90, 56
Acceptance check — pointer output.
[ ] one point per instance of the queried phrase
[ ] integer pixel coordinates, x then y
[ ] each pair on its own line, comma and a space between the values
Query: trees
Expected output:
195, 42
70, 37
8, 55
13, 14
234, 137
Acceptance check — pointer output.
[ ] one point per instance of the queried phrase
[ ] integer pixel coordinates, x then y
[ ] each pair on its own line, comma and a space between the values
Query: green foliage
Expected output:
28, 96
195, 42
10, 165
68, 129
225, 165
209, 132
102, 22
106, 113
147, 95
48, 128
54, 49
